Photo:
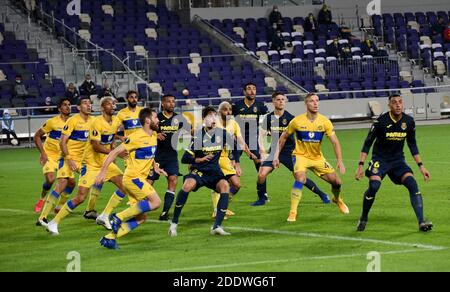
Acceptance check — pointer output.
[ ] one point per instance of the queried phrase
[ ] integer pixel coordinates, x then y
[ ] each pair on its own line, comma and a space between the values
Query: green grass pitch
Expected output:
321, 240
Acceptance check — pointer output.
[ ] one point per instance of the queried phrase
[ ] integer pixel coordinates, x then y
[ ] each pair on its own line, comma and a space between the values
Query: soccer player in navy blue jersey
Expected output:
390, 131
203, 157
247, 113
171, 126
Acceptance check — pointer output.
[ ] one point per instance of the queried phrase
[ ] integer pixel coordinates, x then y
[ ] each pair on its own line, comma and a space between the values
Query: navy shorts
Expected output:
170, 166
205, 180
284, 159
395, 169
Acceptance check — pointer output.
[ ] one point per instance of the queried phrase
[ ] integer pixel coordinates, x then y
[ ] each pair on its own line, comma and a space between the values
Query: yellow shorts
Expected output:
50, 166
226, 166
64, 170
89, 173
137, 189
319, 166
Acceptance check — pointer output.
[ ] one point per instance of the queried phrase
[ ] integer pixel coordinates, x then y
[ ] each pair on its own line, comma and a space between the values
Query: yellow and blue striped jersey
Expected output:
78, 131
103, 132
233, 129
309, 134
141, 153
129, 120
53, 128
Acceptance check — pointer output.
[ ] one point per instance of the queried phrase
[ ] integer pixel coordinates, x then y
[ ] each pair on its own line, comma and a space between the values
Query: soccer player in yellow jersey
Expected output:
101, 137
50, 150
229, 162
141, 149
309, 129
74, 137
129, 116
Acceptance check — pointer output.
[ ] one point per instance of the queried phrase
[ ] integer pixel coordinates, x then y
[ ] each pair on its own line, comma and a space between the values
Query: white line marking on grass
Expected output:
313, 258
16, 211
338, 237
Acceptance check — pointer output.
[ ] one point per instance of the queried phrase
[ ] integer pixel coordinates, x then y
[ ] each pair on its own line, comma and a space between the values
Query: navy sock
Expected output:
415, 196
168, 201
314, 188
261, 188
179, 204
369, 198
222, 207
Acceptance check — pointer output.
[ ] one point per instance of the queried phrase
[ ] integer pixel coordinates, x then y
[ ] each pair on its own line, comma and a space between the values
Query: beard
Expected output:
154, 127
132, 104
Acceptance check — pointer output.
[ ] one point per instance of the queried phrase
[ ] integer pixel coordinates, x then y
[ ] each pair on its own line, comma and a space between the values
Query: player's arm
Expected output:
244, 146
65, 152
412, 145
338, 152
366, 148
40, 146
280, 146
109, 159
189, 156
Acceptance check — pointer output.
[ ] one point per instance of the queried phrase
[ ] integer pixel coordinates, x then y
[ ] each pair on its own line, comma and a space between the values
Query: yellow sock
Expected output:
138, 208
296, 196
50, 203
127, 227
114, 201
65, 210
111, 235
63, 199
93, 195
215, 199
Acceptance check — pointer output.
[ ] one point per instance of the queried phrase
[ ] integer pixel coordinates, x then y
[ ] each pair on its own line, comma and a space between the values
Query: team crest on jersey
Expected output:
403, 126
218, 139
86, 134
311, 135
255, 110
284, 121
176, 122
135, 122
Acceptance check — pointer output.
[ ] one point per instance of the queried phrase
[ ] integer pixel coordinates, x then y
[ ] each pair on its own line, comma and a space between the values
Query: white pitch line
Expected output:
233, 265
338, 237
293, 233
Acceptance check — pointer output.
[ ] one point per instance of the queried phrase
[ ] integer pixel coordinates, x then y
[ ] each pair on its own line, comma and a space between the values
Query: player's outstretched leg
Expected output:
416, 201
315, 189
369, 198
222, 206
179, 204
46, 187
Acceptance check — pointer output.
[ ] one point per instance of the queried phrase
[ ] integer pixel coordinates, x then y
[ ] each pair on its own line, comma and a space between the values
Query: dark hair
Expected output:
394, 95
62, 100
167, 95
247, 84
82, 98
145, 113
276, 93
208, 109
132, 92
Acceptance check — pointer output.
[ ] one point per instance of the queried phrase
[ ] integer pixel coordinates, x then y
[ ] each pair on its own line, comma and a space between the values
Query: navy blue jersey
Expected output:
205, 143
276, 126
172, 128
248, 119
390, 136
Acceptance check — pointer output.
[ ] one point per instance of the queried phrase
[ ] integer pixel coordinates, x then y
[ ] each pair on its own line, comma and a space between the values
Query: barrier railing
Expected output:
242, 3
